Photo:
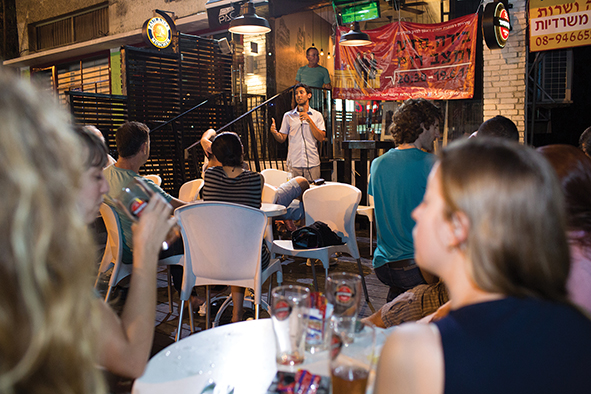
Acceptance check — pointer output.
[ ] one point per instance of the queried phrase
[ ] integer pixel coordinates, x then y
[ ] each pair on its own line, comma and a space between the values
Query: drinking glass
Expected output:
133, 198
289, 315
351, 355
343, 291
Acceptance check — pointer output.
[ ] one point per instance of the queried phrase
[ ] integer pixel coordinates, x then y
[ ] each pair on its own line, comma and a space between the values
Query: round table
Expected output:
241, 355
273, 210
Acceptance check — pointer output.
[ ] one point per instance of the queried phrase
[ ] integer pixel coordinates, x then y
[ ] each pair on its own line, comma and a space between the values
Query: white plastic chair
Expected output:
275, 177
223, 246
269, 193
368, 210
114, 253
336, 205
154, 178
189, 191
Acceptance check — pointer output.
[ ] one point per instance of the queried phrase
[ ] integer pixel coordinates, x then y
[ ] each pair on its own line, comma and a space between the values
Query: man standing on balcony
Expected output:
305, 127
313, 74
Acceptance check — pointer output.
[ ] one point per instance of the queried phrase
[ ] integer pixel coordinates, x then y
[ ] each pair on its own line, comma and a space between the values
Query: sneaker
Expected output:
202, 309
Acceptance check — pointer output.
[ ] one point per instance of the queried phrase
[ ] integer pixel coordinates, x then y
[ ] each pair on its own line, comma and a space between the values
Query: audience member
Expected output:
574, 173
397, 184
492, 226
288, 194
412, 305
125, 342
54, 331
499, 126
92, 129
585, 141
230, 182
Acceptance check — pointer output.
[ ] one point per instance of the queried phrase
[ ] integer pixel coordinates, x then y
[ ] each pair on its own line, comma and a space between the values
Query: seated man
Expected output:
133, 147
412, 305
288, 194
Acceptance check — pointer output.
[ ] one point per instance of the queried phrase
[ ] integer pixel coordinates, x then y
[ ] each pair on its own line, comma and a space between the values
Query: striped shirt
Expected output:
245, 189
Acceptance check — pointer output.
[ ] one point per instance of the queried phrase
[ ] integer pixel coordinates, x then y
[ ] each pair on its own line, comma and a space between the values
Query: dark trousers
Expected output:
401, 275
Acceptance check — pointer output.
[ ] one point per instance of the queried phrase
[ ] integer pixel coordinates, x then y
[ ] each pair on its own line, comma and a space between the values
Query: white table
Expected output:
240, 354
271, 210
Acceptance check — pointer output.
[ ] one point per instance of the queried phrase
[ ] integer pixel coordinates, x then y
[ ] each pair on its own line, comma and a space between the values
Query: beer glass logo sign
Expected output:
282, 310
336, 343
137, 206
159, 32
496, 25
344, 294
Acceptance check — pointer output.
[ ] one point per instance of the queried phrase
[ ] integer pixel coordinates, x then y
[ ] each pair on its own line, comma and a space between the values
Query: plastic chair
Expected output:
154, 178
275, 177
336, 205
189, 191
269, 193
114, 252
223, 246
368, 210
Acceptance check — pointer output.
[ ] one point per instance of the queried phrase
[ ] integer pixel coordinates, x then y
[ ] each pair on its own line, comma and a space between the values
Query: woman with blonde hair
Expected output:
53, 329
492, 226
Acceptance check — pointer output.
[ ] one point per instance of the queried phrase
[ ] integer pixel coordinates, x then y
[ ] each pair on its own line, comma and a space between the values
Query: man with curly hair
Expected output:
397, 183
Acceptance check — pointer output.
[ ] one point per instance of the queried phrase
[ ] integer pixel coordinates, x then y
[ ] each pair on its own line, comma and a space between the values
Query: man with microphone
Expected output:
304, 126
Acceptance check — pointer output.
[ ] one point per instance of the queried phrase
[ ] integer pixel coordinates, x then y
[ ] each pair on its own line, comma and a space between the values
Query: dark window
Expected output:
79, 26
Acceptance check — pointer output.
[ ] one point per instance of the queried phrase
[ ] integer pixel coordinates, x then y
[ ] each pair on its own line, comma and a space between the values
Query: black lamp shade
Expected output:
355, 37
249, 22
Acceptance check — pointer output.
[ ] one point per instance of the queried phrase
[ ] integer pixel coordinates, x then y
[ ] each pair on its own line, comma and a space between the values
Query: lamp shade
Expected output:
249, 22
355, 37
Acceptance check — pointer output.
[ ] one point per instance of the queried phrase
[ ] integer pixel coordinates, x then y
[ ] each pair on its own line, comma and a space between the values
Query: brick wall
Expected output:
505, 72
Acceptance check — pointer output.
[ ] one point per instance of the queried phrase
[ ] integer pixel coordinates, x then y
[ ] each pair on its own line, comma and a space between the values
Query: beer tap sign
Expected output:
496, 25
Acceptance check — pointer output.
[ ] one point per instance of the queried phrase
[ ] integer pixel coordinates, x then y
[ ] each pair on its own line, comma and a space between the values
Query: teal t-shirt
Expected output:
397, 183
314, 77
118, 178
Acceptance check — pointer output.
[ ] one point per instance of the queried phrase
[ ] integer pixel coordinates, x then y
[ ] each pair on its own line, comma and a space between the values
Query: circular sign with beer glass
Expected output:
158, 32
496, 25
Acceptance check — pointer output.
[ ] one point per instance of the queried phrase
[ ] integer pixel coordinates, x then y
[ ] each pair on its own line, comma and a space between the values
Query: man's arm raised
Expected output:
278, 136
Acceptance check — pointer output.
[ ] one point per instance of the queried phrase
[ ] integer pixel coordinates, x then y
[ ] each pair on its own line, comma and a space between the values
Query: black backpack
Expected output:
316, 235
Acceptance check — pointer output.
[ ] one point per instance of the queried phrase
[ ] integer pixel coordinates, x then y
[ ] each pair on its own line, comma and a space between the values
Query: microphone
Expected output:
300, 110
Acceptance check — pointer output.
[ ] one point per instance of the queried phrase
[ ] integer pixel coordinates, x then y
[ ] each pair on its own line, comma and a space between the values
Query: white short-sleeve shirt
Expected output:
302, 152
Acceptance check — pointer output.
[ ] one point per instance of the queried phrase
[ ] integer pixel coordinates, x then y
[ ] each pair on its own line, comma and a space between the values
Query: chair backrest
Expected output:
154, 178
189, 191
115, 243
222, 244
269, 193
336, 205
275, 177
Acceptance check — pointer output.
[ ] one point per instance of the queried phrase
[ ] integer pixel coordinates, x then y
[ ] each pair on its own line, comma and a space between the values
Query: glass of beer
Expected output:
289, 315
351, 354
343, 291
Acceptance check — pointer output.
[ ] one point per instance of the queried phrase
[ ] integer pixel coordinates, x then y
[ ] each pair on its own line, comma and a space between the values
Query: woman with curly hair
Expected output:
54, 331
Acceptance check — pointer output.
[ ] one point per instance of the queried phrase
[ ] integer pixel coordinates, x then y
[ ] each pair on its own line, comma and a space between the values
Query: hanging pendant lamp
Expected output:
355, 37
248, 22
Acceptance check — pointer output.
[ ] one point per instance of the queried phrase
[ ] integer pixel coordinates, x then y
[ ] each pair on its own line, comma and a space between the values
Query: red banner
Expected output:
409, 60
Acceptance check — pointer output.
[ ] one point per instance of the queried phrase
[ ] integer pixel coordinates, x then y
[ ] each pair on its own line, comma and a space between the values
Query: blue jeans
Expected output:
401, 275
287, 195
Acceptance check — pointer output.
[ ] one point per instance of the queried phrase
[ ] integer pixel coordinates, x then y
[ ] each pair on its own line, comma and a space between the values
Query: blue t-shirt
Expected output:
516, 346
397, 183
314, 77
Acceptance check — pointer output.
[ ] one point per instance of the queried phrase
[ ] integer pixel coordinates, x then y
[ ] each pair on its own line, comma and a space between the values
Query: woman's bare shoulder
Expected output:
411, 361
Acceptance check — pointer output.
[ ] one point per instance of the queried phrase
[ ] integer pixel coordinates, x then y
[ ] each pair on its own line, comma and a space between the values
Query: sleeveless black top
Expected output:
516, 346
